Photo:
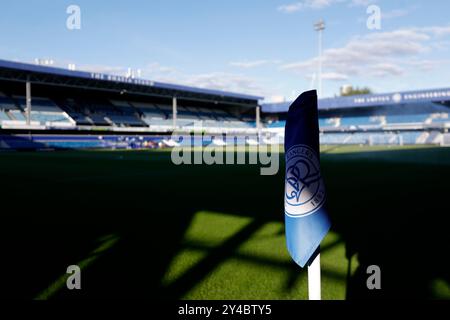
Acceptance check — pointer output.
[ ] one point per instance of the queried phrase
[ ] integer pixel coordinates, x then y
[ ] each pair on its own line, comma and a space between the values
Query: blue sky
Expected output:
264, 47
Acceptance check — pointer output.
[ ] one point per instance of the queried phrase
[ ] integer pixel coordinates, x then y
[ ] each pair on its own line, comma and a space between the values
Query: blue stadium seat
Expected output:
357, 121
410, 137
406, 118
277, 124
441, 118
98, 119
44, 117
4, 116
17, 115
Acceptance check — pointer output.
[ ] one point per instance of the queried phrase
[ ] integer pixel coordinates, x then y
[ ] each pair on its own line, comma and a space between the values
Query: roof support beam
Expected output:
258, 121
28, 101
174, 112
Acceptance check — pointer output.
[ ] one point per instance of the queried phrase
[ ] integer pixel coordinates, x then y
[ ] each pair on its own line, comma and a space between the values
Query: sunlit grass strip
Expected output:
259, 268
209, 229
108, 242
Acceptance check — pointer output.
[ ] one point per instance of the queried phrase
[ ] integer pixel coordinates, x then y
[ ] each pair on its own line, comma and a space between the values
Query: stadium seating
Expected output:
127, 116
6, 103
149, 110
432, 137
158, 122
190, 122
379, 120
334, 138
165, 109
152, 114
440, 118
183, 112
102, 113
17, 115
276, 124
410, 137
206, 114
407, 118
98, 119
74, 111
188, 116
96, 111
43, 111
446, 139
374, 138
358, 121
326, 122
158, 116
48, 117
4, 116
226, 124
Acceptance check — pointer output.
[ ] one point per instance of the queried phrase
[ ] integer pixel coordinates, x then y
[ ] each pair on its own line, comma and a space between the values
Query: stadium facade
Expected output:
47, 107
410, 117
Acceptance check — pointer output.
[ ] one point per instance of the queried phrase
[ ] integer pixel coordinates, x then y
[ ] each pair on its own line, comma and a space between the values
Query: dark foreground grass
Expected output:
141, 227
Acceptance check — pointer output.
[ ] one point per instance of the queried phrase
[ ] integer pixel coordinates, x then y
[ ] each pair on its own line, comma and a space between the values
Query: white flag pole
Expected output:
314, 278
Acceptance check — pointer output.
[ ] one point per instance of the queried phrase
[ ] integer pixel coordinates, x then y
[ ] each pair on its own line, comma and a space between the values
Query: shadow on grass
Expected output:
391, 208
389, 213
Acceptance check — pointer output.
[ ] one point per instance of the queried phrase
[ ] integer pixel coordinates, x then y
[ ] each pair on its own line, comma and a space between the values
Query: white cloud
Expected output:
361, 3
378, 54
396, 13
320, 4
156, 67
253, 64
103, 69
213, 80
290, 8
275, 99
334, 76
306, 4
441, 45
438, 31
249, 64
385, 69
428, 65
224, 81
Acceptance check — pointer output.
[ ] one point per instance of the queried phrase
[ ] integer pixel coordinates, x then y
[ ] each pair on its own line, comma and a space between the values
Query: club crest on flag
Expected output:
305, 214
304, 188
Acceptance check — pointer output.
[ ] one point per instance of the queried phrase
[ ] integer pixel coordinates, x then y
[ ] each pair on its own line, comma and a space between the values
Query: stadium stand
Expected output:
373, 138
74, 111
419, 117
4, 116
408, 118
44, 112
439, 118
102, 103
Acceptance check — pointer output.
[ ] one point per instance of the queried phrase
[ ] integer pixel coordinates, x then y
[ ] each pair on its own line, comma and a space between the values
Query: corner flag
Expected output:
306, 219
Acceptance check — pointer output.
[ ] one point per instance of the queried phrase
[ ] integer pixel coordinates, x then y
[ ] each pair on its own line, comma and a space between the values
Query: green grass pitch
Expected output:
141, 227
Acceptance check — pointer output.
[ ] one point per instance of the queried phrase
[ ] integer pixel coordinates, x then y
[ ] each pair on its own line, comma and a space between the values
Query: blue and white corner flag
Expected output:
306, 219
